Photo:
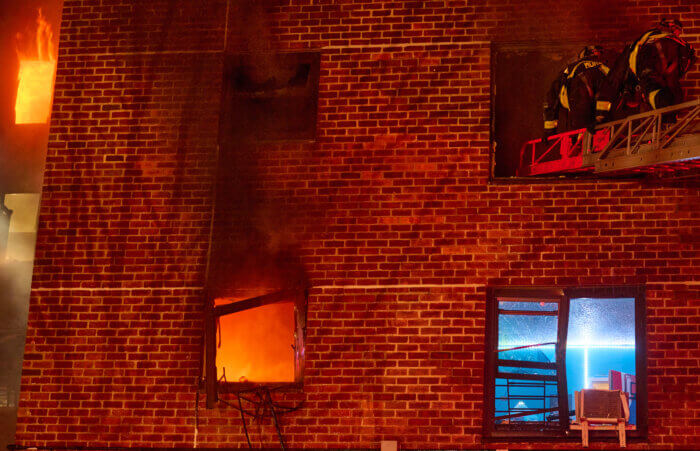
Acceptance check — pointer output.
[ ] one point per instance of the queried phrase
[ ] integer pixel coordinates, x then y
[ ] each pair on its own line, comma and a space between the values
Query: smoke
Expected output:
253, 240
15, 284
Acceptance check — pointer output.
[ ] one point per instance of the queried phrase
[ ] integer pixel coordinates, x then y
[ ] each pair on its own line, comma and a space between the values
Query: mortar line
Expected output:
405, 45
329, 47
118, 289
322, 287
145, 53
427, 285
215, 51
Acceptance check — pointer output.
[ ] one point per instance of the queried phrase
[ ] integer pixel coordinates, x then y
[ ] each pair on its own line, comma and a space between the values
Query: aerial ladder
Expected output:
660, 141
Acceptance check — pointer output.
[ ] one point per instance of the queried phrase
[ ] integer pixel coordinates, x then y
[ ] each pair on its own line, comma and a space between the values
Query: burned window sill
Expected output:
246, 387
243, 387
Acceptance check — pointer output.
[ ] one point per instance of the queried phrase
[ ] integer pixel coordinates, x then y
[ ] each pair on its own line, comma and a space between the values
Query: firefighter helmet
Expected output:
673, 25
591, 51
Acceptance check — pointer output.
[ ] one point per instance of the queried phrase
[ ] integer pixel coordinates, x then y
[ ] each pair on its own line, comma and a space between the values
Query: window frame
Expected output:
566, 294
510, 47
213, 312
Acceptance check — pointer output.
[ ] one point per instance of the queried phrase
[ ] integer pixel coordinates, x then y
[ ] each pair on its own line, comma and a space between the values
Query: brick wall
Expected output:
390, 214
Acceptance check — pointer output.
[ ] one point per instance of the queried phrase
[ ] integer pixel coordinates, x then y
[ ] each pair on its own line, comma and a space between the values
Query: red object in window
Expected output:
615, 380
561, 153
624, 382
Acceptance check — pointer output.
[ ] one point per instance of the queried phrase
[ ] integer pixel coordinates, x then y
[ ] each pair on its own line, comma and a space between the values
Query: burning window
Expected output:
257, 344
257, 340
37, 68
546, 344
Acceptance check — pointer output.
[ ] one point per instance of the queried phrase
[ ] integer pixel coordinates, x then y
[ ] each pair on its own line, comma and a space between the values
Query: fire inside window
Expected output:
37, 69
258, 340
545, 345
256, 345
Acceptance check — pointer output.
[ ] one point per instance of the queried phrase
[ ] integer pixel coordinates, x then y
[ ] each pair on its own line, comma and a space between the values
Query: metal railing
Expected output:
637, 141
649, 132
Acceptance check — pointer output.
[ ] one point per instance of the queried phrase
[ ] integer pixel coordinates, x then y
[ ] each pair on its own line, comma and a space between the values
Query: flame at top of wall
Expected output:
37, 69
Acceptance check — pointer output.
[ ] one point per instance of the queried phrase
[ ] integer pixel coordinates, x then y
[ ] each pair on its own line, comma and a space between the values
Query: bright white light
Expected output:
585, 367
600, 346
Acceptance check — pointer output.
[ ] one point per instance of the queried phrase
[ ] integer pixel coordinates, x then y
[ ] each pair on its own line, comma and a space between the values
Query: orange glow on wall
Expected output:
256, 344
36, 78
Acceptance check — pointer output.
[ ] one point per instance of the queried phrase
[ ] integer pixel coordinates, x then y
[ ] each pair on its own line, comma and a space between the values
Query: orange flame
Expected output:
256, 344
36, 77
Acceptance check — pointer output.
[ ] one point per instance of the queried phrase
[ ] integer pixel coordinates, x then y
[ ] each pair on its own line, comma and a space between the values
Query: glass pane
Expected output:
601, 322
525, 330
600, 351
520, 396
540, 306
526, 338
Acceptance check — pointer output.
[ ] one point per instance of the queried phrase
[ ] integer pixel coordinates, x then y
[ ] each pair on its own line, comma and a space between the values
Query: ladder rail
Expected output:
646, 140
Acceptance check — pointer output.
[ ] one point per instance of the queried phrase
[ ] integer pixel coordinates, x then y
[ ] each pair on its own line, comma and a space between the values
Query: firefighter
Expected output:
650, 69
574, 90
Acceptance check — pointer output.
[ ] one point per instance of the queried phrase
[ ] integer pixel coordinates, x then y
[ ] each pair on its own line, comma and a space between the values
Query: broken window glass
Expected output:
526, 385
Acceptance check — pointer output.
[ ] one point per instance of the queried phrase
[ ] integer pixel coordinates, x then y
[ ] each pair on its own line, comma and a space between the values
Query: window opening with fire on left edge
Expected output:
545, 344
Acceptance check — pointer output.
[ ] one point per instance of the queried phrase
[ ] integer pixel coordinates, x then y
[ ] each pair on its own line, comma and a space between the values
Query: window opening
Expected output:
258, 340
517, 98
37, 72
547, 344
271, 97
257, 344
254, 348
529, 363
601, 347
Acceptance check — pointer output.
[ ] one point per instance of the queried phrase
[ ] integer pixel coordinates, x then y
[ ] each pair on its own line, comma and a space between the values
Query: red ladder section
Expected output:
660, 141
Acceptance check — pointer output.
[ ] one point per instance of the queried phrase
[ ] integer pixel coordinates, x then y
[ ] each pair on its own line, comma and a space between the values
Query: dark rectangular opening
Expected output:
270, 97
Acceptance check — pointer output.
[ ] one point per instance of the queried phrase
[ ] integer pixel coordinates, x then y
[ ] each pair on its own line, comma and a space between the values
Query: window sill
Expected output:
242, 387
637, 436
563, 179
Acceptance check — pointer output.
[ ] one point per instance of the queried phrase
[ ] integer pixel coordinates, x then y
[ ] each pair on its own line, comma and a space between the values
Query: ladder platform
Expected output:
658, 141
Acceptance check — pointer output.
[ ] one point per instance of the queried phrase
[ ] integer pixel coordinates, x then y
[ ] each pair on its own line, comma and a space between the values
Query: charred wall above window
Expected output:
270, 97
266, 98
255, 276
